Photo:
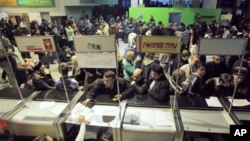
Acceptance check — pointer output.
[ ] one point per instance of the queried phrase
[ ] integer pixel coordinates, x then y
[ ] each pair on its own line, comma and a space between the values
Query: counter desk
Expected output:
103, 119
204, 115
41, 114
146, 119
10, 101
240, 109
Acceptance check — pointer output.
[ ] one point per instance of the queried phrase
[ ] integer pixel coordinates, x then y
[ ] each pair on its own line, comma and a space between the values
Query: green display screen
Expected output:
38, 3
188, 15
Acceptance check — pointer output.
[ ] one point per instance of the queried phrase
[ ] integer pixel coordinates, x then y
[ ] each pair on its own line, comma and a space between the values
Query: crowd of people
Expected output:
157, 75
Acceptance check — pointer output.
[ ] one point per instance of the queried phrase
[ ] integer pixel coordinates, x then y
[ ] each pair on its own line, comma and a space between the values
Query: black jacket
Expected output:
42, 83
98, 88
140, 86
243, 90
160, 91
215, 70
196, 85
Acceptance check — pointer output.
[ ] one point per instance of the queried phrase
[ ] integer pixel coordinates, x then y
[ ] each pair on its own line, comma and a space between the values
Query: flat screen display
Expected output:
35, 3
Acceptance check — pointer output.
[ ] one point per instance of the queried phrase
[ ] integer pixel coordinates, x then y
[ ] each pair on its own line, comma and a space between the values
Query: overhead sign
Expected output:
222, 46
97, 60
38, 3
7, 2
158, 44
35, 43
95, 43
226, 17
27, 3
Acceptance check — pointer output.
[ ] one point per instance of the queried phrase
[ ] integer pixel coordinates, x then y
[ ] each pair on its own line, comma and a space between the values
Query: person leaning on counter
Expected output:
157, 87
108, 85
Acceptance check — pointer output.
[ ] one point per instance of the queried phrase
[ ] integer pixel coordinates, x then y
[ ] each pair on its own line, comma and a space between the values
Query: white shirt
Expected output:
152, 85
81, 133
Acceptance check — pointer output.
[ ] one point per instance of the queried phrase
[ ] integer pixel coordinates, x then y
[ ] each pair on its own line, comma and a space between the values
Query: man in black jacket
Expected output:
158, 85
139, 83
215, 67
108, 86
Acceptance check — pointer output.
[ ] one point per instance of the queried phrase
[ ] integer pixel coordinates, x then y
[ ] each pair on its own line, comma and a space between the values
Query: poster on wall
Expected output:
158, 44
8, 3
35, 3
35, 43
95, 43
97, 60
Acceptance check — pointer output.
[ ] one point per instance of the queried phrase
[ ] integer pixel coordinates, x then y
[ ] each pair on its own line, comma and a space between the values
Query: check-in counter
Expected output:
146, 119
40, 115
240, 109
103, 119
204, 115
10, 100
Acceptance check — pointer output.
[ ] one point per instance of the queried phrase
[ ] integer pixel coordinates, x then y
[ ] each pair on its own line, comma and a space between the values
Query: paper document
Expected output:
163, 119
57, 110
213, 102
132, 117
78, 110
239, 102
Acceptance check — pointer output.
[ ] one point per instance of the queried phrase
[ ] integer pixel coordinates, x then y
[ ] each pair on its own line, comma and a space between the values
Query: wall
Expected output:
162, 14
59, 7
111, 2
134, 3
209, 3
72, 2
35, 16
77, 12
57, 10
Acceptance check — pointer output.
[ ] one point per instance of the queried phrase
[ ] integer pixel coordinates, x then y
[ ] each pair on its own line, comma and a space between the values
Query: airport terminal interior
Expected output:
124, 70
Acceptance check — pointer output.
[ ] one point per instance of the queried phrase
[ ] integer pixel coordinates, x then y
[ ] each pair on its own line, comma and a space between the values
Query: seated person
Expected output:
196, 84
139, 83
70, 83
108, 85
41, 77
241, 82
219, 86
